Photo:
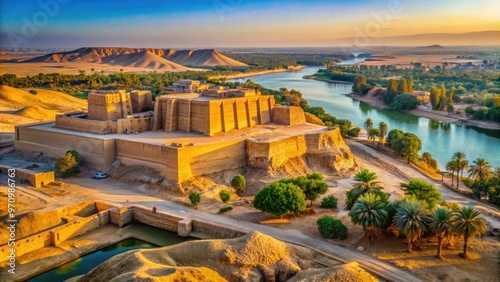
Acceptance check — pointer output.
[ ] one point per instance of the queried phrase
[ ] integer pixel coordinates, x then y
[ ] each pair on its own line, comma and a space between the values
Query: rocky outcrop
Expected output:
253, 257
323, 151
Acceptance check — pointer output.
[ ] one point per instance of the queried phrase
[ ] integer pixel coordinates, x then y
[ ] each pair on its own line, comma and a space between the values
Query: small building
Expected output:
187, 86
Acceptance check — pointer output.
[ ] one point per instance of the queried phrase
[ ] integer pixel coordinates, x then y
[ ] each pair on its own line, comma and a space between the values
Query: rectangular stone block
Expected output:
185, 227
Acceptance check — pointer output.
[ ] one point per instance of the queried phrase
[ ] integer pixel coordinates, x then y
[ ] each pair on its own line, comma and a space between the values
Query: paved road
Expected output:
111, 192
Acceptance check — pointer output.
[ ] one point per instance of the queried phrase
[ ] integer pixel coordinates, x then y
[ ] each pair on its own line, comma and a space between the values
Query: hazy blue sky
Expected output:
231, 23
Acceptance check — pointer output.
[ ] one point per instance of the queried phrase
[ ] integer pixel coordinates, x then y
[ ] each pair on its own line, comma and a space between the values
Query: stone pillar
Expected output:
223, 119
184, 227
188, 128
259, 111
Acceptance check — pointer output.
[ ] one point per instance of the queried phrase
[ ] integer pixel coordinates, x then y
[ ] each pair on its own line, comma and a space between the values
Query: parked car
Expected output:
100, 175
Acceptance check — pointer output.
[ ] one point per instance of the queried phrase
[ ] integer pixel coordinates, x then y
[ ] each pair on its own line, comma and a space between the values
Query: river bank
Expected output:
325, 79
249, 74
434, 115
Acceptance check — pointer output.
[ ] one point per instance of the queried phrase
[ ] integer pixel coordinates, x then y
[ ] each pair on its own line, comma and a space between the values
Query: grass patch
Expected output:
83, 95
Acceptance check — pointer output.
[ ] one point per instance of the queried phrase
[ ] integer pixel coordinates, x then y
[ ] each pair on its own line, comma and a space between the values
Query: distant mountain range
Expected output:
447, 39
162, 59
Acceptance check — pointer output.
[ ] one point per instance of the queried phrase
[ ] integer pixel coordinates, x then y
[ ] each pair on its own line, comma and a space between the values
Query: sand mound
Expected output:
167, 59
144, 59
254, 257
35, 112
350, 272
310, 118
209, 57
20, 107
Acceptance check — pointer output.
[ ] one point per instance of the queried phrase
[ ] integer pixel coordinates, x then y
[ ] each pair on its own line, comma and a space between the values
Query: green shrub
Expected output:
194, 198
329, 202
225, 209
467, 181
225, 195
76, 155
353, 132
280, 198
239, 183
64, 165
405, 102
331, 228
34, 92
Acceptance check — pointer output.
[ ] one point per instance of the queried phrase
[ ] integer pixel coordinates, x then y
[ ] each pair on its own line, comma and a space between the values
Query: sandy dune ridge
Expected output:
153, 58
19, 107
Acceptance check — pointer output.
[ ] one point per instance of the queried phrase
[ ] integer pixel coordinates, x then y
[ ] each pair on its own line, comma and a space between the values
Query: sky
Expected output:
232, 23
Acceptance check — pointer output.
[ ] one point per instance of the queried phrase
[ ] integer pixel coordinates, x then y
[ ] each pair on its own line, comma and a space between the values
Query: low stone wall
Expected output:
79, 226
215, 230
161, 220
75, 226
170, 222
36, 178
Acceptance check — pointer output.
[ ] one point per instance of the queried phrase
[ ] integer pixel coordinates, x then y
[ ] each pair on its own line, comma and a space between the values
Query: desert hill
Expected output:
253, 257
152, 57
144, 59
18, 106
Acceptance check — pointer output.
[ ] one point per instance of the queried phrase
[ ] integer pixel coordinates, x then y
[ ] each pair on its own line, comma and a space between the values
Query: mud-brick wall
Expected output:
96, 152
288, 115
139, 151
26, 245
215, 118
241, 114
133, 124
35, 178
199, 117
183, 115
86, 125
215, 230
164, 221
75, 227
209, 158
273, 154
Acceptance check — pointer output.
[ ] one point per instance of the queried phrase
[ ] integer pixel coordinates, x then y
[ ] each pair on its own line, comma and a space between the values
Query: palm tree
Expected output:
382, 131
452, 166
366, 181
369, 212
373, 133
461, 162
365, 184
441, 223
469, 223
368, 124
410, 220
496, 173
480, 168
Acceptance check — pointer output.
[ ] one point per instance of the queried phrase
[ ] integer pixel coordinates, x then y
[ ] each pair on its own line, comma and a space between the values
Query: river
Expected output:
440, 139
